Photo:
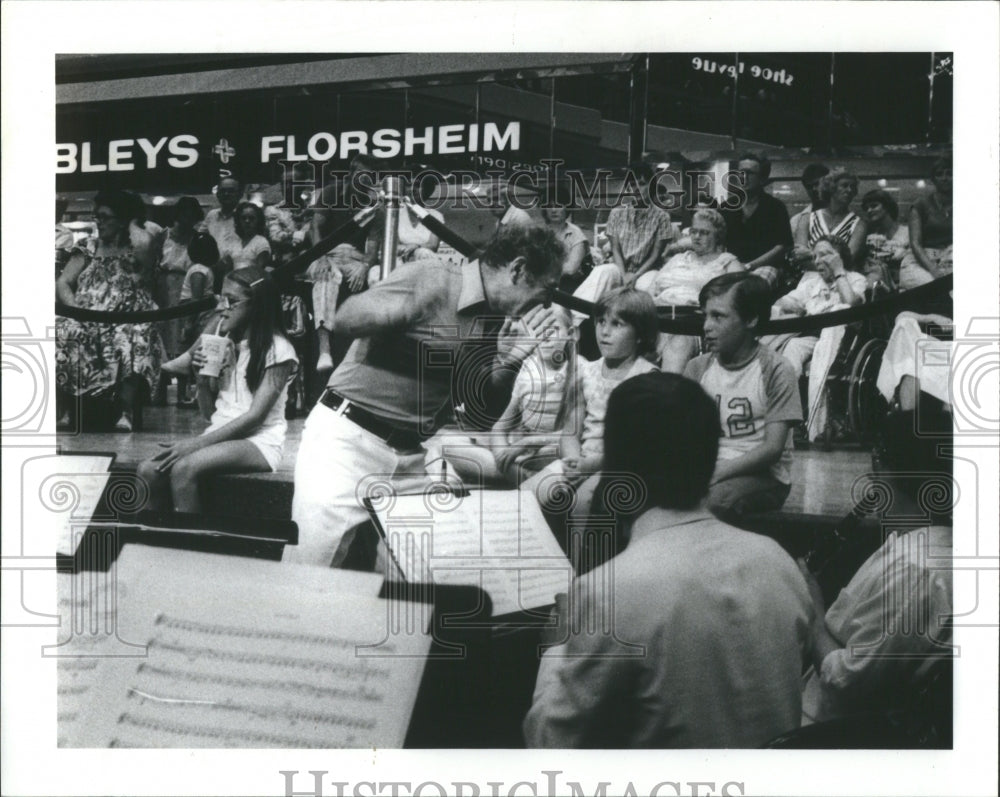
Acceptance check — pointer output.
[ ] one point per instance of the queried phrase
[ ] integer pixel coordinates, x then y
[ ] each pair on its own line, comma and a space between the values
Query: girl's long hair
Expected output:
264, 320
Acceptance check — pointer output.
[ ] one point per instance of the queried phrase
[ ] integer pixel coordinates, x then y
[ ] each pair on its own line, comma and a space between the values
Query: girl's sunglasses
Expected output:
225, 303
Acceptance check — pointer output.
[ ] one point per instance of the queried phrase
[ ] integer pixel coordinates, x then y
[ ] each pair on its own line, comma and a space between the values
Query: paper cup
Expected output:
214, 348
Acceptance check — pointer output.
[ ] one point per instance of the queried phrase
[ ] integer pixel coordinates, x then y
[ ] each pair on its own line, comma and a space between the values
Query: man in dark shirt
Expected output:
758, 232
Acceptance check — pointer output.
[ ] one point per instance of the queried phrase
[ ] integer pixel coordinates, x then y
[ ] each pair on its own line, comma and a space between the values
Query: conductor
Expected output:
431, 338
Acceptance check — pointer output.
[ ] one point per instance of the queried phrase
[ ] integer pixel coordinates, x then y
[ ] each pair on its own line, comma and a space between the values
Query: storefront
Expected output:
167, 125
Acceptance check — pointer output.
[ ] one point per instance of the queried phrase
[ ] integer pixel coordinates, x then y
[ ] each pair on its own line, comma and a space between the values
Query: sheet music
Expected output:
87, 476
498, 540
84, 600
243, 662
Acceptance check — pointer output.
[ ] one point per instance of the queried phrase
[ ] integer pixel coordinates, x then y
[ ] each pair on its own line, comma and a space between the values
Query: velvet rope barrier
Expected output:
136, 316
689, 320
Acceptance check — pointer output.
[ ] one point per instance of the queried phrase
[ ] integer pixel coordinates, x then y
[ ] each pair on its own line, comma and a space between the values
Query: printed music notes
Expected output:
498, 540
242, 653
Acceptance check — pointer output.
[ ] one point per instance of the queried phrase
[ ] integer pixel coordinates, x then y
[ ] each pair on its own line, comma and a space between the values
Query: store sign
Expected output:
127, 154
391, 143
183, 151
768, 74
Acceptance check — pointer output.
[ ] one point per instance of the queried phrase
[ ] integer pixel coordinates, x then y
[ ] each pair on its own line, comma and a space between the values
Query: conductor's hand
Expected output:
519, 337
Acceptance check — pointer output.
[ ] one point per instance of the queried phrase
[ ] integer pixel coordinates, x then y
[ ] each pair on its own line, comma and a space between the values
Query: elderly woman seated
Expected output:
682, 278
831, 287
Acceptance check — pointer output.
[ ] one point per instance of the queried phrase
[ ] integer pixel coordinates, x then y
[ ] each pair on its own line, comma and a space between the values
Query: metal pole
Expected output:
930, 104
391, 233
734, 109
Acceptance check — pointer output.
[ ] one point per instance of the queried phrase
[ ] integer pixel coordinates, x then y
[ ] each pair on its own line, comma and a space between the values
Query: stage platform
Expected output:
821, 480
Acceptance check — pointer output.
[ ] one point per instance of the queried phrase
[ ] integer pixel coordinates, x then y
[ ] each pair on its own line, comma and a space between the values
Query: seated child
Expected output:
526, 437
245, 404
757, 396
626, 328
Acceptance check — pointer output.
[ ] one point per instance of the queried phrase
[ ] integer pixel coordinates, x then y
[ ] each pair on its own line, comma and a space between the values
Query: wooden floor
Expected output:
821, 481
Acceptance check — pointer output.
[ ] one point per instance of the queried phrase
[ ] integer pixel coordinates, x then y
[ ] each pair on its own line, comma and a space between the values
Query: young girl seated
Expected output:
247, 429
626, 327
526, 437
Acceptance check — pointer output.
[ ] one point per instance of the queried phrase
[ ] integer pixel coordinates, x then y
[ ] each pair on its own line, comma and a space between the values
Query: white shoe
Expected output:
180, 365
124, 423
324, 363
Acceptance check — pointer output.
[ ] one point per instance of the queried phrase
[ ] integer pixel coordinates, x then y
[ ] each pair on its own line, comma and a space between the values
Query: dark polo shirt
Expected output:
444, 358
750, 237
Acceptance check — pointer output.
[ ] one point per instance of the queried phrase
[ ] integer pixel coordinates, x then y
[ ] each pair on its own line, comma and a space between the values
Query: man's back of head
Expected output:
664, 429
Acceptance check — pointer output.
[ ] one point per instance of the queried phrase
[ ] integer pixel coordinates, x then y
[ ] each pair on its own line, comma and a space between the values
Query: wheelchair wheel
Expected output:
865, 405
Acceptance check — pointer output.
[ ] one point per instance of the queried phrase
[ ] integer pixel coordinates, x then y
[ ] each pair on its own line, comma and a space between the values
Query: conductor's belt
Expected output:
394, 436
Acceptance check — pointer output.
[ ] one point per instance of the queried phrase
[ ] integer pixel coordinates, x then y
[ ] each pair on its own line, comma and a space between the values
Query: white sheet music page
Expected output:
236, 660
72, 495
494, 539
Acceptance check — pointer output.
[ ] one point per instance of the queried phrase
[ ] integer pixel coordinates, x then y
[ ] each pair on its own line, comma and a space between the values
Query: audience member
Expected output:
220, 223
414, 240
109, 359
682, 278
505, 213
170, 277
837, 219
527, 437
625, 321
557, 213
639, 230
64, 240
833, 286
756, 395
812, 176
702, 629
198, 281
253, 251
343, 272
245, 404
887, 241
757, 232
889, 631
930, 254
900, 379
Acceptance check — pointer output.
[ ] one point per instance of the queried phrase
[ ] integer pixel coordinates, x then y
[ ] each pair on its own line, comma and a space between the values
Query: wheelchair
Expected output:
854, 405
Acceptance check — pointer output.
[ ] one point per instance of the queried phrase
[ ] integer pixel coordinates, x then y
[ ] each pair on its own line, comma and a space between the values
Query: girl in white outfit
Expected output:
245, 404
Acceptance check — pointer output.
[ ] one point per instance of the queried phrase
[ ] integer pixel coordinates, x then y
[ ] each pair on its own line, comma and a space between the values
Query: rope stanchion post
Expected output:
390, 235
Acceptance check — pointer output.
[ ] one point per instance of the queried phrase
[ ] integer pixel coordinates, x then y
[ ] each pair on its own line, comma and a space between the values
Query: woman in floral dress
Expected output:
119, 360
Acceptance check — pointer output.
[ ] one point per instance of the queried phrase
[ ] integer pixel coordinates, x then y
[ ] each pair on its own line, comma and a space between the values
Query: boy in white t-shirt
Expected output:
757, 396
